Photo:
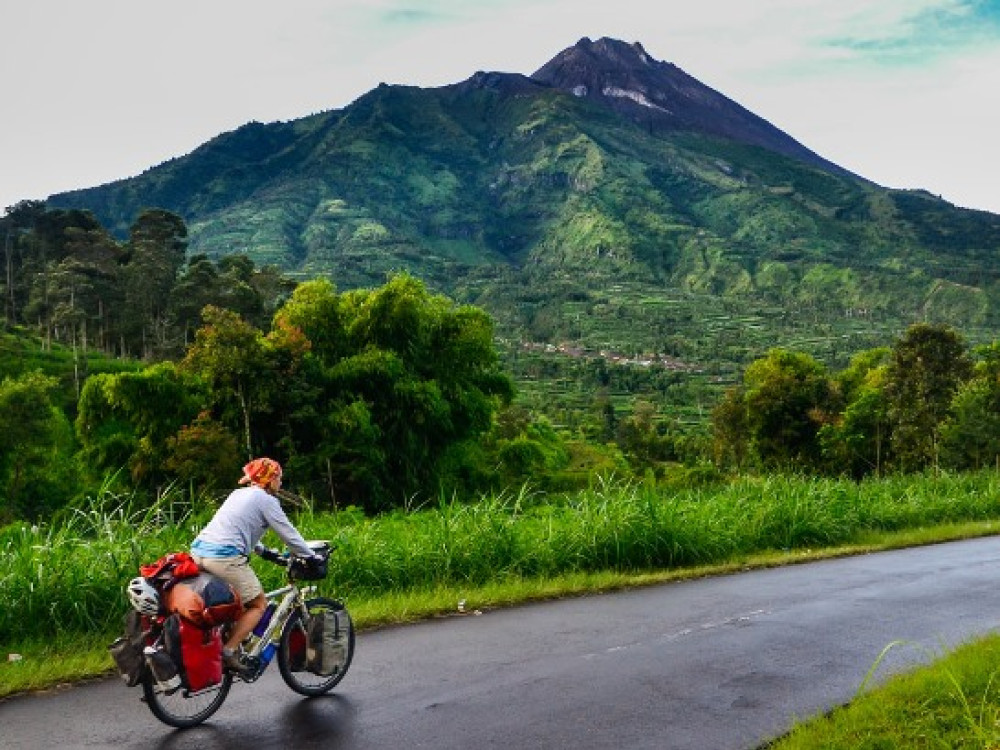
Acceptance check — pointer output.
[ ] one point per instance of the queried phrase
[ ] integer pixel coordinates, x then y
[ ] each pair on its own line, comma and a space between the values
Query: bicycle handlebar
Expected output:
284, 558
273, 555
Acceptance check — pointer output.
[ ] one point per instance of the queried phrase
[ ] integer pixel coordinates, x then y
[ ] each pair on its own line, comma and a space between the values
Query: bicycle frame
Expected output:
291, 596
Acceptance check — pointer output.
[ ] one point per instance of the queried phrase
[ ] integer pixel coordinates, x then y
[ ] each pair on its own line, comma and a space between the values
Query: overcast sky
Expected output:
903, 92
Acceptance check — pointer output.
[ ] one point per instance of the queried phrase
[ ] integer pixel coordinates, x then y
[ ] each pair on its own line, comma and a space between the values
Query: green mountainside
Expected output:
632, 211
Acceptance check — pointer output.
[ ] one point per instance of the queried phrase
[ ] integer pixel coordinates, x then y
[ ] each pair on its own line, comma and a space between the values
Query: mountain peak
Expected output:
660, 96
588, 68
614, 50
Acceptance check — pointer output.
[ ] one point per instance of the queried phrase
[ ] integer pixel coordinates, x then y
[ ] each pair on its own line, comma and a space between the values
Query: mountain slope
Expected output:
609, 199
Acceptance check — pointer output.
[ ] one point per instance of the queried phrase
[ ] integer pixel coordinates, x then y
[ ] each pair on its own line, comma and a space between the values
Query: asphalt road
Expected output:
713, 664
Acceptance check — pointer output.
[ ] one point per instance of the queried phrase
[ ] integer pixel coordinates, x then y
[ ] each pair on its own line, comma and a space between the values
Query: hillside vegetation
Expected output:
569, 221
676, 288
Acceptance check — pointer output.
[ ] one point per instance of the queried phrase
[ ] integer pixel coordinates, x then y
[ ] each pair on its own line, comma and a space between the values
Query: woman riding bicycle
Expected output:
223, 547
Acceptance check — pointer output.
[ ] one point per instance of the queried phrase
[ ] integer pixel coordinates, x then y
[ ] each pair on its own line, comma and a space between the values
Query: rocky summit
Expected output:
658, 94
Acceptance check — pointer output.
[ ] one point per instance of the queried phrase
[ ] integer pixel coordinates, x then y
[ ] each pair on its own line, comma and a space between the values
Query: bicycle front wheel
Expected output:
297, 662
182, 708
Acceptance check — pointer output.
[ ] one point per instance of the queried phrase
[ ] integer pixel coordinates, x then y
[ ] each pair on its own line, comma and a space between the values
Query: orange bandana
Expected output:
261, 471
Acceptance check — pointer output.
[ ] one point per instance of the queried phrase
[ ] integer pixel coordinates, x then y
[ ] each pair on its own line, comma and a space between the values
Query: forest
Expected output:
133, 364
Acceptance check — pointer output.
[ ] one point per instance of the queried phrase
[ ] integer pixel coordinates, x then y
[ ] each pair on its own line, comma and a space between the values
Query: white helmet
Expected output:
144, 596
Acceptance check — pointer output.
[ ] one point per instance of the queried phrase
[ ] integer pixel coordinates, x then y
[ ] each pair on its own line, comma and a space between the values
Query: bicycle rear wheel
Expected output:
182, 708
291, 658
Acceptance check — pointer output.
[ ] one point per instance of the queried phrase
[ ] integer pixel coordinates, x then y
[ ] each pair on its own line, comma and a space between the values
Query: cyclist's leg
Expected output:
250, 617
236, 571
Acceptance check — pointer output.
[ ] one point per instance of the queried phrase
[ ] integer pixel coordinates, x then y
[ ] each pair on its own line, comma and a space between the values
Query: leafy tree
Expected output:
641, 440
599, 422
929, 364
970, 436
233, 284
67, 276
272, 288
521, 458
198, 285
69, 270
37, 472
90, 275
788, 398
204, 453
316, 310
856, 443
231, 356
522, 447
18, 223
254, 293
156, 252
731, 429
127, 420
857, 375
405, 377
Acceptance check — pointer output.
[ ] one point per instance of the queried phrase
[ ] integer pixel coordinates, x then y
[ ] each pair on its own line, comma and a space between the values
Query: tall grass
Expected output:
68, 576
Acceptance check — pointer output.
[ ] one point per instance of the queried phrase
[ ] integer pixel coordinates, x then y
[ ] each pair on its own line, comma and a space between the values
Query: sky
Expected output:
902, 92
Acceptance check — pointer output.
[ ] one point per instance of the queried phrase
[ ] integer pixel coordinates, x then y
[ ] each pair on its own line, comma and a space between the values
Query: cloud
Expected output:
926, 34
412, 17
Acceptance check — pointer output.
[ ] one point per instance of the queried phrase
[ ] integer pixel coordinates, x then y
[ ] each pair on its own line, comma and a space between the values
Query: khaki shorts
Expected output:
235, 571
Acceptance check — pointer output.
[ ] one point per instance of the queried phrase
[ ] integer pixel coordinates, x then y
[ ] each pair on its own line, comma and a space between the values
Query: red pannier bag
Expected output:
204, 600
196, 652
296, 654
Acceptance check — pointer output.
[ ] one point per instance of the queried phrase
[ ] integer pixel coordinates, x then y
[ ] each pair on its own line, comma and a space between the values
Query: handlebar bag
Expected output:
204, 601
309, 568
196, 652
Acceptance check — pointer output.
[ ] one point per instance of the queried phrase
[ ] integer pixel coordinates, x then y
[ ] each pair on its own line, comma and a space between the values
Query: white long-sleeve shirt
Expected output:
243, 518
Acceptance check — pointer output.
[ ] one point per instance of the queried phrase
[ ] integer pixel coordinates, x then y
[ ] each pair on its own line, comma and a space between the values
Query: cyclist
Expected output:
223, 547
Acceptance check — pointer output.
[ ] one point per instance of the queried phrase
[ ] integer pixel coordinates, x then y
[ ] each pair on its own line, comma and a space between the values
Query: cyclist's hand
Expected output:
271, 555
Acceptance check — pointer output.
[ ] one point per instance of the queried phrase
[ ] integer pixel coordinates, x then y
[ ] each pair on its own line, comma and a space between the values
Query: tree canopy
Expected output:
367, 397
401, 378
926, 402
37, 473
929, 364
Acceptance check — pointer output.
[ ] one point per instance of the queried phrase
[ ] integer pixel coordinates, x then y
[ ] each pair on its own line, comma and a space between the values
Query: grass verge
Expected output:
952, 703
51, 663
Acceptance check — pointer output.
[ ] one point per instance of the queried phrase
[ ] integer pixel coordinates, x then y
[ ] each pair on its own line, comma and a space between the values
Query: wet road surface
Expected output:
713, 664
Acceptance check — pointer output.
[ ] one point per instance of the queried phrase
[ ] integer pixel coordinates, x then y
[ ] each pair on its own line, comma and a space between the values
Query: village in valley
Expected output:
639, 360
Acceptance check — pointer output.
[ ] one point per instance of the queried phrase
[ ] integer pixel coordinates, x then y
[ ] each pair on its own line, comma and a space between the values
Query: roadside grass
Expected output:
952, 703
61, 584
49, 664
42, 664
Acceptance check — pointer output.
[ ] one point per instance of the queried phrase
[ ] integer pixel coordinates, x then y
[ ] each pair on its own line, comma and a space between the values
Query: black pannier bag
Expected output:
127, 651
326, 641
